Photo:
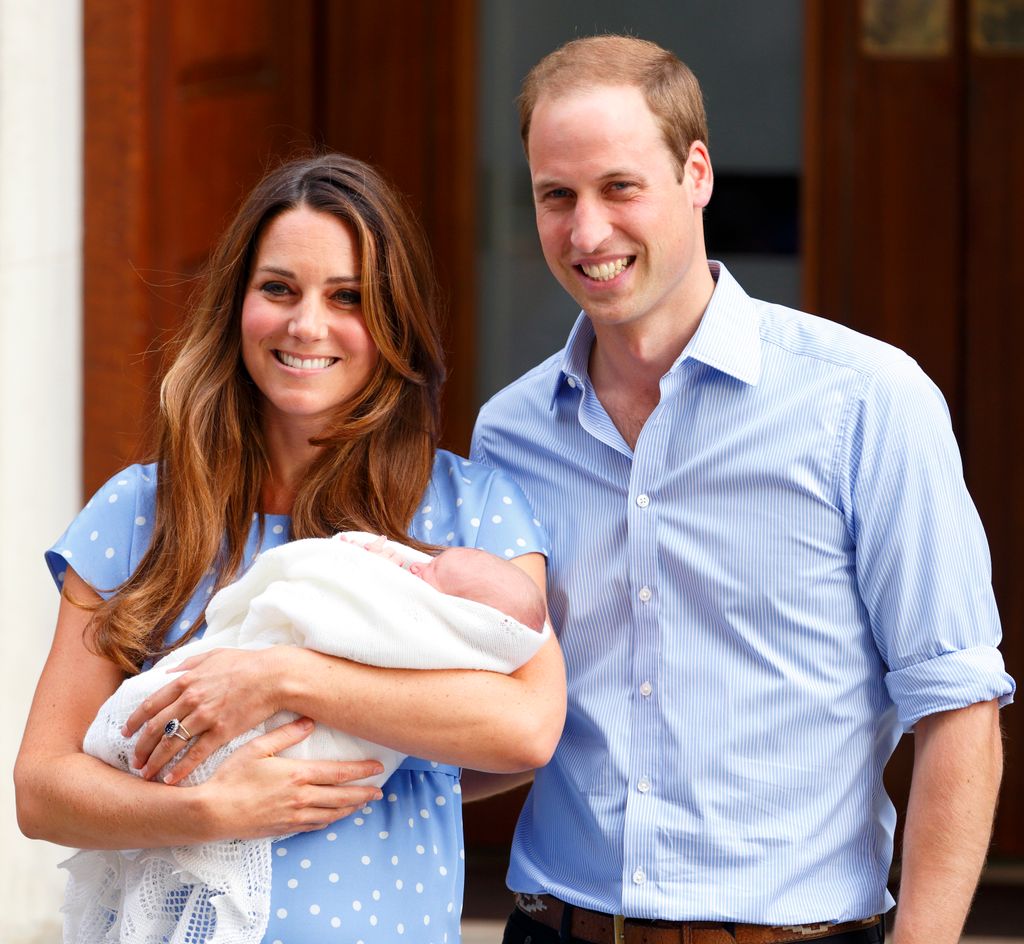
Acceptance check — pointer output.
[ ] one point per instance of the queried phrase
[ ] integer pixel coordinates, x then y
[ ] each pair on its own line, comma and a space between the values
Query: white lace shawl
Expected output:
324, 594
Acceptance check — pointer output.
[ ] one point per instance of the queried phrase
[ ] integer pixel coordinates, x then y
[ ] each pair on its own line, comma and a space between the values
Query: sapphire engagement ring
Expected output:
174, 728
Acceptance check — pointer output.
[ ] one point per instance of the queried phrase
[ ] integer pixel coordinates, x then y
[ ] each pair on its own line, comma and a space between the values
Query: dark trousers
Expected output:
522, 929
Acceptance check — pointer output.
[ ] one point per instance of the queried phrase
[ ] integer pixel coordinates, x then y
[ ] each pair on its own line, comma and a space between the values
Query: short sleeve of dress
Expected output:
108, 538
468, 504
508, 527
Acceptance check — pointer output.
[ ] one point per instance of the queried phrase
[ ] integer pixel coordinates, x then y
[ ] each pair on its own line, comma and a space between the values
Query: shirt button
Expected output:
646, 688
571, 381
639, 877
643, 501
645, 594
643, 785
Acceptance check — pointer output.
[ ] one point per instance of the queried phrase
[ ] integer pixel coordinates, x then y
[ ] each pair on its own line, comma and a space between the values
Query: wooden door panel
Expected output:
914, 232
994, 340
185, 104
116, 327
883, 214
383, 93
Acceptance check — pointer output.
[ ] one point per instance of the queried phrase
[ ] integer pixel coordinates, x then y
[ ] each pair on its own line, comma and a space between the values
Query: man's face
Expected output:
619, 221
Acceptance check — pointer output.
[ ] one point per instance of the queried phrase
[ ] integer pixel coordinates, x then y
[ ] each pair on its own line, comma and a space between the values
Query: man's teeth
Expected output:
604, 271
305, 363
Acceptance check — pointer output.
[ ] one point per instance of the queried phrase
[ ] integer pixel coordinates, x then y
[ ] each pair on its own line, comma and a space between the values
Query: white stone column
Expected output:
40, 396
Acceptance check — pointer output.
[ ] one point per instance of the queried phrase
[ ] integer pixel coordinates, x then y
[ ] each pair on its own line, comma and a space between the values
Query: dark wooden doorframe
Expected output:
913, 231
187, 103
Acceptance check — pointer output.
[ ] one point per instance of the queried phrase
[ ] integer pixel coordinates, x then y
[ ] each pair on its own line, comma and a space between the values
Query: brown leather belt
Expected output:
599, 928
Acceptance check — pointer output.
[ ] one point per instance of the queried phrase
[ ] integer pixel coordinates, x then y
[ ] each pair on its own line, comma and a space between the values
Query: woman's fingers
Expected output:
258, 794
342, 772
273, 742
331, 773
267, 745
174, 734
199, 749
152, 706
153, 747
216, 695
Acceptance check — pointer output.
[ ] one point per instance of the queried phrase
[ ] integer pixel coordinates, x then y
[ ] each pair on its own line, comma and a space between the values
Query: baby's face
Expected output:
438, 571
427, 572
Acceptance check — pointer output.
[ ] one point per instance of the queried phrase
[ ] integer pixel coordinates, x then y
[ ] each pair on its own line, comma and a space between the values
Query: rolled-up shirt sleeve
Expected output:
923, 566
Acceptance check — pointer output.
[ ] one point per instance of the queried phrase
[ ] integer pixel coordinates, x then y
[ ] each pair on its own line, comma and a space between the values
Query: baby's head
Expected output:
473, 574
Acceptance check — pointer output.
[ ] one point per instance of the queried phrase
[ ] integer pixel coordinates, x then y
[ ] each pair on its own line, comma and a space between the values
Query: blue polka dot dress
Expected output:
394, 870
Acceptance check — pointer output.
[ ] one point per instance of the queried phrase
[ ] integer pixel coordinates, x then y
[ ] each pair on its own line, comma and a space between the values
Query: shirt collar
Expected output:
728, 337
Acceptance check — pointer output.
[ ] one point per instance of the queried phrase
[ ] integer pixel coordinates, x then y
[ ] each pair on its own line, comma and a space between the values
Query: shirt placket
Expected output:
648, 472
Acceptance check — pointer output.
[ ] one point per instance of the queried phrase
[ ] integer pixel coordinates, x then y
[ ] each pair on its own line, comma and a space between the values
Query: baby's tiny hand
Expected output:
380, 547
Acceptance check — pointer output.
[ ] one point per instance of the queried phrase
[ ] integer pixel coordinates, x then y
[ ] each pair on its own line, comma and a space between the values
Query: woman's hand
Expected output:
67, 797
217, 696
255, 794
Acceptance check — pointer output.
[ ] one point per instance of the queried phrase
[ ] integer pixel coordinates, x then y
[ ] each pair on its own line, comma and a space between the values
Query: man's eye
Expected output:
559, 193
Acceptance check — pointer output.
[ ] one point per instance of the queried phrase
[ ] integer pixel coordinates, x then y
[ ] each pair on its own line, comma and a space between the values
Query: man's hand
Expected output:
958, 763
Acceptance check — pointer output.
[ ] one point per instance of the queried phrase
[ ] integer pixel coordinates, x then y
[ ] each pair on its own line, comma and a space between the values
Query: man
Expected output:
765, 567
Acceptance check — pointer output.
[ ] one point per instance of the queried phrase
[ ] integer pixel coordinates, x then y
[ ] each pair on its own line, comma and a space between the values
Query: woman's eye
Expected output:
348, 296
274, 288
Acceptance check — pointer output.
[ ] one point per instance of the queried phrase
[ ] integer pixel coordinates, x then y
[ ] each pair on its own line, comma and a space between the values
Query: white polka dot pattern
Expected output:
396, 868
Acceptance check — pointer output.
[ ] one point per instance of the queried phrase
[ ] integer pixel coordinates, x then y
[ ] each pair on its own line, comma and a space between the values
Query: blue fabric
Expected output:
782, 577
396, 868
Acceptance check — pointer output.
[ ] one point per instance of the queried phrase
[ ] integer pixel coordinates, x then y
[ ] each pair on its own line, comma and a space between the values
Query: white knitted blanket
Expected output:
321, 593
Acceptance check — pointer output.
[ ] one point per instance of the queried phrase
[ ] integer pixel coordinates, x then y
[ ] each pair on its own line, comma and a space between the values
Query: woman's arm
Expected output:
68, 797
478, 719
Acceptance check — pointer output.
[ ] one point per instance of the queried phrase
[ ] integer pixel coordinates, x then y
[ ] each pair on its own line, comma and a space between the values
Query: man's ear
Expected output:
699, 174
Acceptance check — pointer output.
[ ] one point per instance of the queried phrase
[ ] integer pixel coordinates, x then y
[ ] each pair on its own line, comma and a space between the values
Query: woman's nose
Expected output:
309, 322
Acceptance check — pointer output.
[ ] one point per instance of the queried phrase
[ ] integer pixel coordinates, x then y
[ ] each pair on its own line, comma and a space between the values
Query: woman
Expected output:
303, 401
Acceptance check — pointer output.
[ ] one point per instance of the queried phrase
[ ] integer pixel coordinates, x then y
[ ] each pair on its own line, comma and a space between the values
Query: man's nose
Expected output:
590, 226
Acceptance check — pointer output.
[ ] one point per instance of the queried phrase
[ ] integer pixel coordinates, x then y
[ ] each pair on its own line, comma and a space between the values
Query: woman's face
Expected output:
304, 339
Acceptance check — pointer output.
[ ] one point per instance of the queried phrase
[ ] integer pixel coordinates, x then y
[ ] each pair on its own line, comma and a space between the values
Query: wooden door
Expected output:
914, 232
187, 103
992, 342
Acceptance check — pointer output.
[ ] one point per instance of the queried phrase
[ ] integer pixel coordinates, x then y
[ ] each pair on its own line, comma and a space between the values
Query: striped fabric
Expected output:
783, 576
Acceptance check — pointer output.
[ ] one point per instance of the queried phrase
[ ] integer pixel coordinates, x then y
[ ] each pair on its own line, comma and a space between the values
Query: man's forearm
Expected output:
958, 764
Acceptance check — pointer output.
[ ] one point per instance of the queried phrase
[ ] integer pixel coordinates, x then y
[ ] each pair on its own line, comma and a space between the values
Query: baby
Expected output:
463, 608
472, 574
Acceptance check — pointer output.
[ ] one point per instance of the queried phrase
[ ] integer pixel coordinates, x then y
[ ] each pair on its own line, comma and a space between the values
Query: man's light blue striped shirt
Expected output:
754, 603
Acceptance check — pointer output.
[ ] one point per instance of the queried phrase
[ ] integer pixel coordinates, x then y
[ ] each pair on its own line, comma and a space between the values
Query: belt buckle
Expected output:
620, 929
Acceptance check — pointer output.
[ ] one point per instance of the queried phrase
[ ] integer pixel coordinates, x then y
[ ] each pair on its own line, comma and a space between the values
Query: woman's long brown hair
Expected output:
376, 456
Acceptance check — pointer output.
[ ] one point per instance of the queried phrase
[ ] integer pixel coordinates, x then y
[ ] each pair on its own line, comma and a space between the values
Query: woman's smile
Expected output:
305, 342
298, 362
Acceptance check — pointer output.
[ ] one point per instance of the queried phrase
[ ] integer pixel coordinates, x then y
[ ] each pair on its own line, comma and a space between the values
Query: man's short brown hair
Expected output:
672, 91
